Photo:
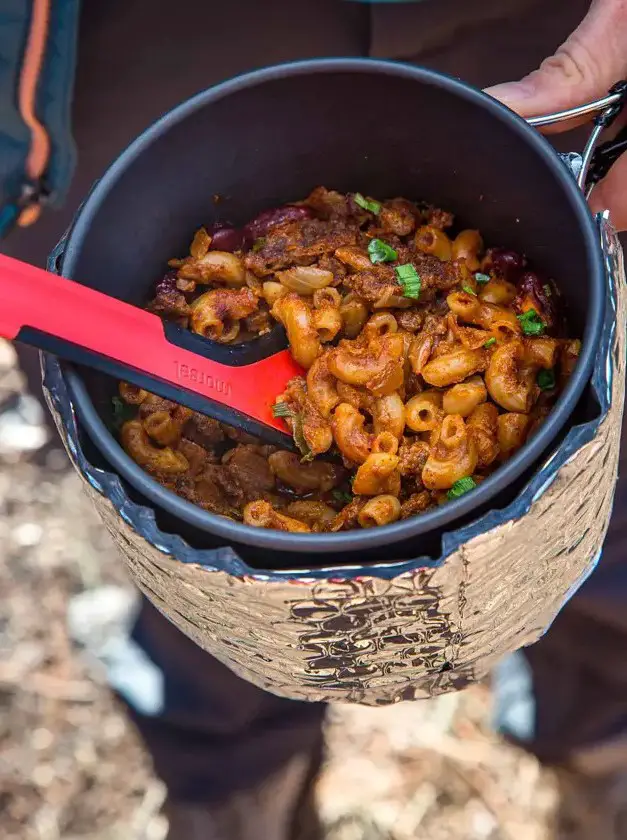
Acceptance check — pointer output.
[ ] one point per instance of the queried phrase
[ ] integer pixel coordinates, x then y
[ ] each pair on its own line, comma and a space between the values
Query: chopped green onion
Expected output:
299, 438
342, 496
548, 291
122, 412
461, 486
281, 409
367, 204
490, 342
531, 323
546, 380
469, 291
409, 279
380, 252
482, 279
259, 244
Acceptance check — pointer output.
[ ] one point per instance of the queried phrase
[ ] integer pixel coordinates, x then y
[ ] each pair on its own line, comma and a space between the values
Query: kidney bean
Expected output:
508, 264
262, 223
225, 237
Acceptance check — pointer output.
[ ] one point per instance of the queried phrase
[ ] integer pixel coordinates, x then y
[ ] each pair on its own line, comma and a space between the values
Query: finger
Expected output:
611, 194
584, 68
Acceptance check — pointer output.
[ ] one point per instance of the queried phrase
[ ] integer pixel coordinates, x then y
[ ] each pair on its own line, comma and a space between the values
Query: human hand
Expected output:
583, 69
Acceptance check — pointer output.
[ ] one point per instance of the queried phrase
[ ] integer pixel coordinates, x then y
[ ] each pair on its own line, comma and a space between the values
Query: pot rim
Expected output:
232, 531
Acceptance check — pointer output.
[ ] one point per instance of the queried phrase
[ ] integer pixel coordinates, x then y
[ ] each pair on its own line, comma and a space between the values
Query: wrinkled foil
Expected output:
394, 631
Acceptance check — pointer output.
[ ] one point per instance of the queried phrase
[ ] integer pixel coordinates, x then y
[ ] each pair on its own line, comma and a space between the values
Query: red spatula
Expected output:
235, 384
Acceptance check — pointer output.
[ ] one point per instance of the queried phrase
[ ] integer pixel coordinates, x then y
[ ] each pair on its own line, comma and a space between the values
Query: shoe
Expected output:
590, 807
593, 793
282, 808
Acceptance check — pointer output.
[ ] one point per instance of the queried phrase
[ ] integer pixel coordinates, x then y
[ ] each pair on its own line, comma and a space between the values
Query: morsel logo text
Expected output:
192, 374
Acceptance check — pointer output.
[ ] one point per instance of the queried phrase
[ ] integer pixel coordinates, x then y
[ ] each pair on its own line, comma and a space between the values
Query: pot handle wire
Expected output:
593, 164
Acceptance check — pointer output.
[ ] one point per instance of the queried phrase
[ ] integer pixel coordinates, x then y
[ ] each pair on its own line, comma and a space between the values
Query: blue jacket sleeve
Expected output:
55, 95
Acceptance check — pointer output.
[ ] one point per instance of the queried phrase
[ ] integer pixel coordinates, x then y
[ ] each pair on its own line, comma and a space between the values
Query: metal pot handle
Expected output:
594, 162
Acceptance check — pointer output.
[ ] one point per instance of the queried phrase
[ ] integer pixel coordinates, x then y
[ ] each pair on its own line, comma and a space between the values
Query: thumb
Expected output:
584, 68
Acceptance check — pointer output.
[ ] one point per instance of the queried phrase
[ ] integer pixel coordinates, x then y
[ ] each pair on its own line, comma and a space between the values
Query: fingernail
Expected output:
510, 93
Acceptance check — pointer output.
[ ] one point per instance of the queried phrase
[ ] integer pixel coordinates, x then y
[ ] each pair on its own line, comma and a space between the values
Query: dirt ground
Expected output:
72, 767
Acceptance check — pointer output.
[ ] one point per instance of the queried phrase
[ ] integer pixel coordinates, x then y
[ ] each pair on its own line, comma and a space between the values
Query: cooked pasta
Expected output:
428, 360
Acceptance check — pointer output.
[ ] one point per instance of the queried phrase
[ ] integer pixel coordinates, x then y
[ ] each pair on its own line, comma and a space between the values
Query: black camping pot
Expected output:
383, 129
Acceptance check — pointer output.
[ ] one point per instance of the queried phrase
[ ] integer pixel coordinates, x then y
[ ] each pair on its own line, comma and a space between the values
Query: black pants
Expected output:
213, 732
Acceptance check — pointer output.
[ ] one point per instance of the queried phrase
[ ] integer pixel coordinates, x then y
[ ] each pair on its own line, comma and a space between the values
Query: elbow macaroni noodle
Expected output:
427, 360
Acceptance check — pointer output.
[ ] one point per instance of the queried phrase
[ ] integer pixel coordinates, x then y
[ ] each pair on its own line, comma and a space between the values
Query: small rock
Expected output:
57, 460
43, 775
483, 823
27, 534
41, 739
114, 728
157, 828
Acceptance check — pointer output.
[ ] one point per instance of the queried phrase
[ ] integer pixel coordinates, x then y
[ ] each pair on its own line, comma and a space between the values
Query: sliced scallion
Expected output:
281, 409
461, 486
546, 380
381, 252
531, 323
367, 204
409, 279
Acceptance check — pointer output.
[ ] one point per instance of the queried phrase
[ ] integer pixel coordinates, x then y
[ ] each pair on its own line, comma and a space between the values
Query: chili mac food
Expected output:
428, 361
